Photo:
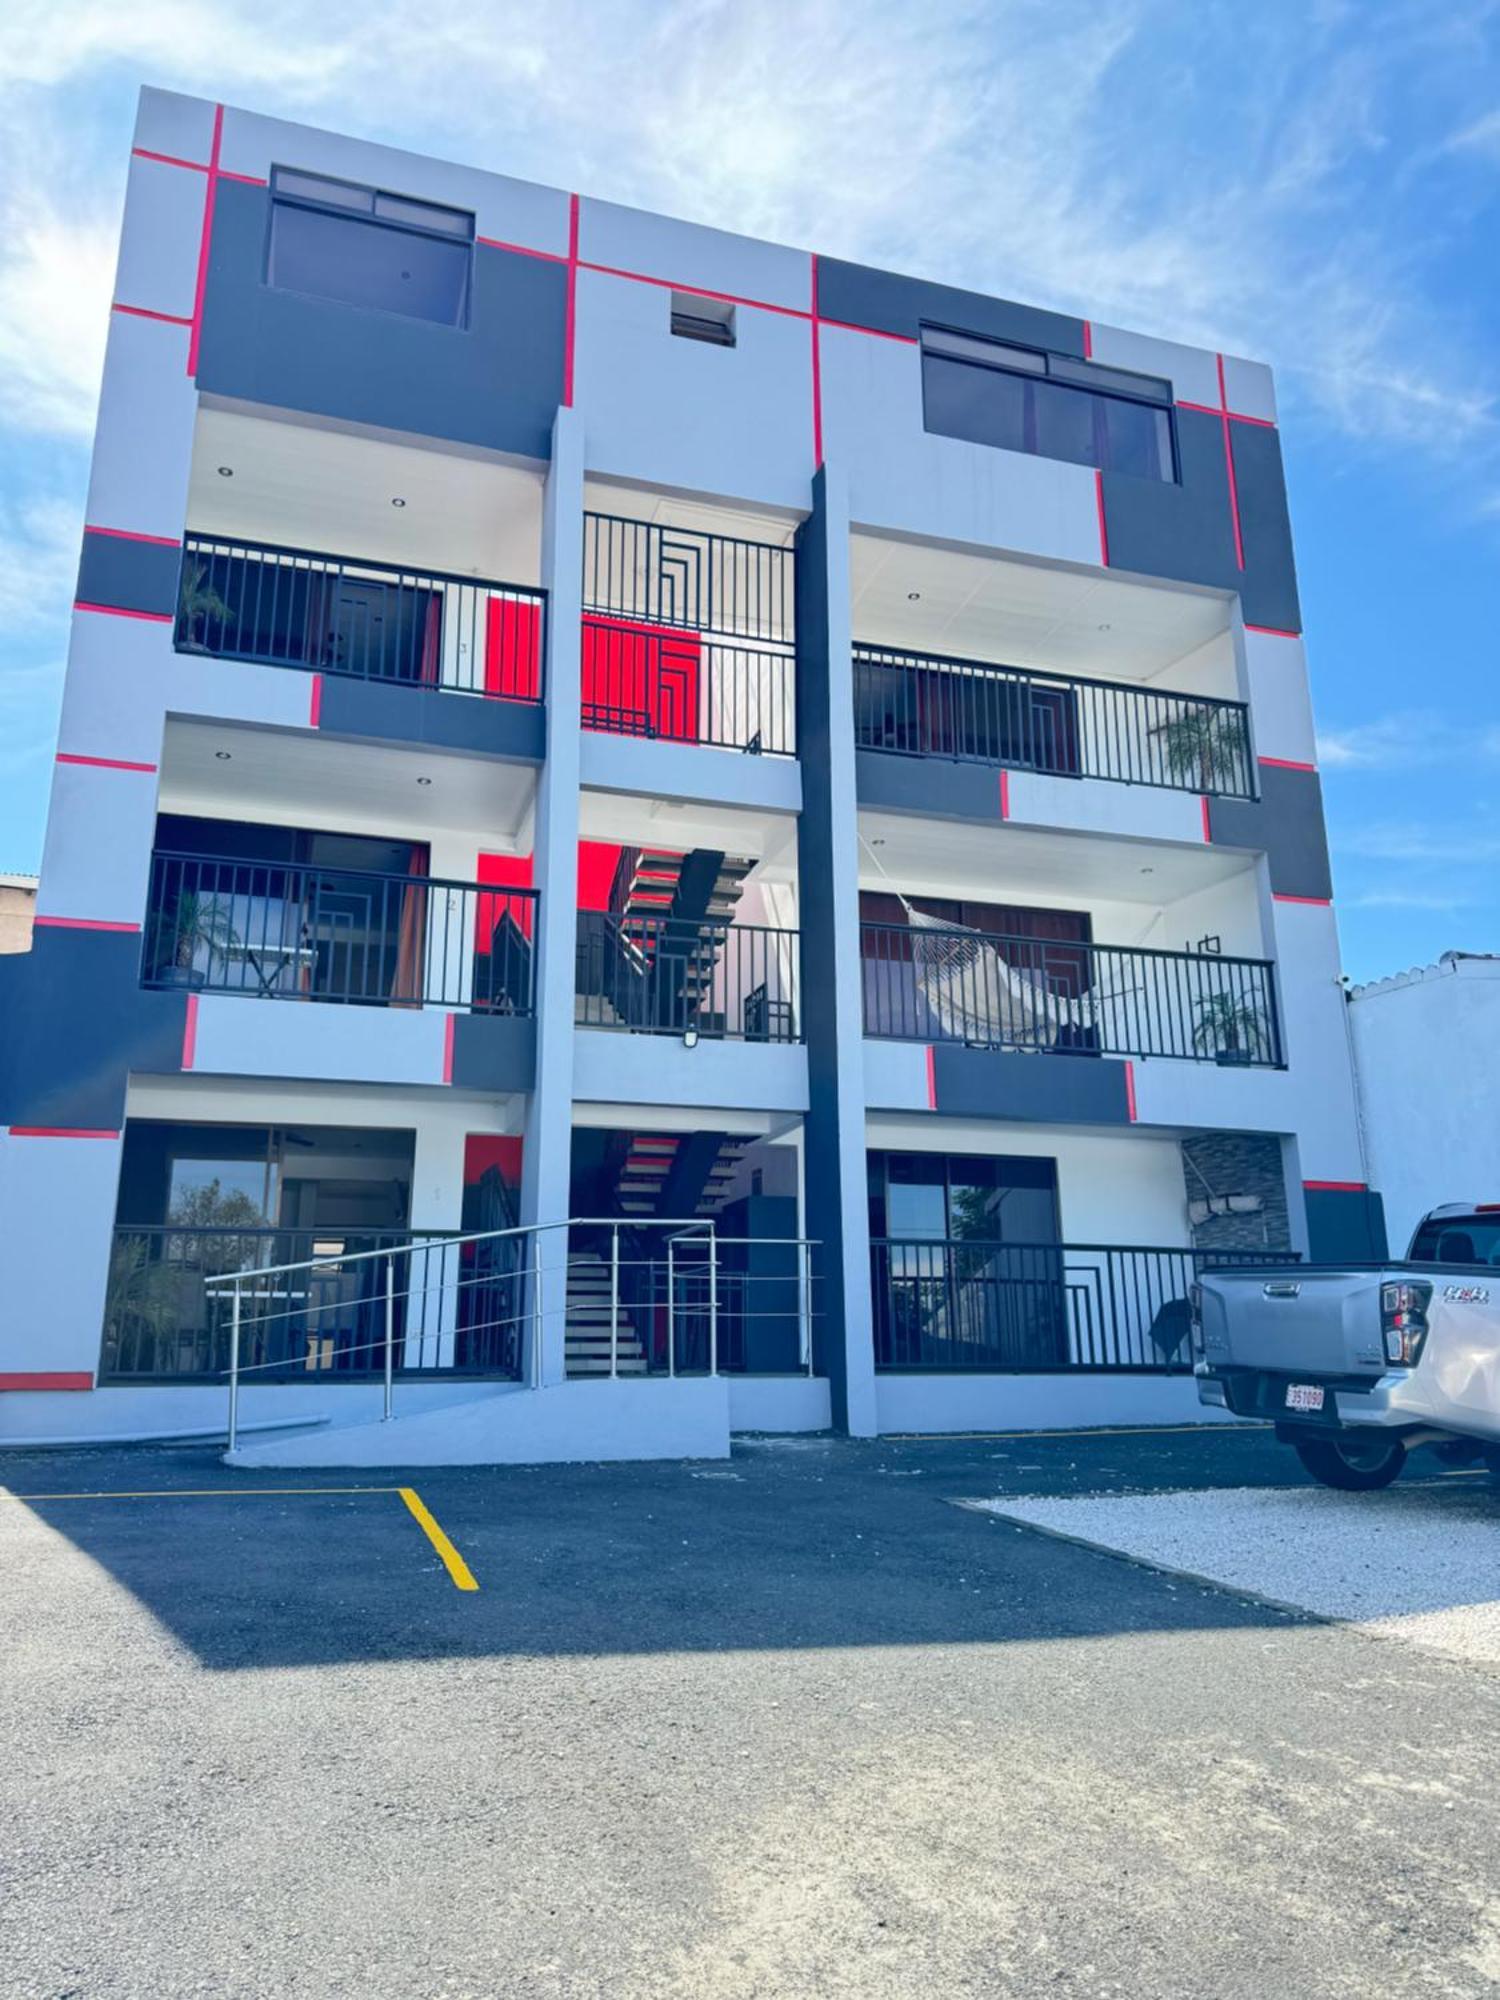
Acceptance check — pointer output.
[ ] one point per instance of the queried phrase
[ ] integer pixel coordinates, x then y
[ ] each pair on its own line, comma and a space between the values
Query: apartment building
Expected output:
675, 835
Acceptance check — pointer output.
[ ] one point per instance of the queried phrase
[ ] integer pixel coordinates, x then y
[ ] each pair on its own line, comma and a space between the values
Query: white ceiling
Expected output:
303, 486
1024, 614
283, 778
1002, 863
637, 503
634, 821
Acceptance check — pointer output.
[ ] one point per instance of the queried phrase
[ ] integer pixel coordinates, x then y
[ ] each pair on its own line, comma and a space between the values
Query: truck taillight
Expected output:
1403, 1320
1195, 1319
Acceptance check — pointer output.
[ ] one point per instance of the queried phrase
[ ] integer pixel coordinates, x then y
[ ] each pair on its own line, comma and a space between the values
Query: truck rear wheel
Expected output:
1352, 1464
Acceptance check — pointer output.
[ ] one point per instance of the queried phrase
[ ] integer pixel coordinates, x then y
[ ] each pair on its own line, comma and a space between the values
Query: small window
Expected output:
697, 318
1049, 405
360, 246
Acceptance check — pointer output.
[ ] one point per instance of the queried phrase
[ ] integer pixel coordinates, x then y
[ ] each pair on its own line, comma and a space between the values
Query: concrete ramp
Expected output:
564, 1422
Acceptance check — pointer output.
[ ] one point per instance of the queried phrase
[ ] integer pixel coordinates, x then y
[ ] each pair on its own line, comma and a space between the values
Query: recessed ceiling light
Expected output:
222, 755
398, 503
226, 472
914, 597
424, 781
1106, 628
877, 843
1148, 871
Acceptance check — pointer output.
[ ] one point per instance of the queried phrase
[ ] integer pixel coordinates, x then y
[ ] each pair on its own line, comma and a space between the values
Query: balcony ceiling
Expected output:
279, 778
675, 510
1003, 864
635, 821
983, 607
331, 491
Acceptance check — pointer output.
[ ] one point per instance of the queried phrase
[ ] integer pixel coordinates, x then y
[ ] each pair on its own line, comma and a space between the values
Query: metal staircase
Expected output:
588, 1346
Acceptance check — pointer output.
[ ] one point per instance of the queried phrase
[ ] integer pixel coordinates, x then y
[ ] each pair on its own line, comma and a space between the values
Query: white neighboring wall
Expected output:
1425, 1045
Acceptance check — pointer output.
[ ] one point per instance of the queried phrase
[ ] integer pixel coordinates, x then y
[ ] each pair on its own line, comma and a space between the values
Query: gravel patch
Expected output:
1394, 1564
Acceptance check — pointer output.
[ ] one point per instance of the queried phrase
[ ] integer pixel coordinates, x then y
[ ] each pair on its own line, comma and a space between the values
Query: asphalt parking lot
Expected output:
795, 1724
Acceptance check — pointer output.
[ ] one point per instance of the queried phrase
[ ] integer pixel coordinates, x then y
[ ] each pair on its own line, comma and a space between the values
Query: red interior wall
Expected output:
481, 1152
514, 872
649, 672
597, 862
513, 648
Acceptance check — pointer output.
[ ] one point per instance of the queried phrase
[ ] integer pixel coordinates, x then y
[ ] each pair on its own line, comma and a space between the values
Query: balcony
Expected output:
284, 931
952, 1306
688, 637
927, 983
693, 977
369, 621
925, 705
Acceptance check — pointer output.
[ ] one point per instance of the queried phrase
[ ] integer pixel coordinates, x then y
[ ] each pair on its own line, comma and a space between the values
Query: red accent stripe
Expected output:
190, 1032
245, 180
817, 371
167, 159
1103, 528
448, 1031
58, 1132
1318, 902
1234, 416
102, 763
875, 332
1273, 631
83, 924
1286, 764
1208, 832
522, 249
119, 611
315, 702
931, 1078
134, 535
1130, 1091
203, 242
1234, 491
1203, 409
697, 291
1338, 1187
1239, 417
571, 322
40, 1379
1088, 340
1005, 795
145, 312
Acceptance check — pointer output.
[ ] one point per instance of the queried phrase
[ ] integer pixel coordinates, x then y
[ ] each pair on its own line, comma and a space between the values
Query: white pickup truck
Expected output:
1357, 1365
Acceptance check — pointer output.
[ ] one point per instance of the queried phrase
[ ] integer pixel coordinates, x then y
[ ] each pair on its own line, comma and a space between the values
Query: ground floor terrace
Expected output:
360, 1266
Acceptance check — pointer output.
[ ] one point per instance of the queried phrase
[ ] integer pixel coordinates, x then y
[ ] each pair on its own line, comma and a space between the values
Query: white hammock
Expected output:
977, 996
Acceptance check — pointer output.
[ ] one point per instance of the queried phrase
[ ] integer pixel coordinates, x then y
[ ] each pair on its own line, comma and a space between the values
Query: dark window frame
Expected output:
370, 217
983, 353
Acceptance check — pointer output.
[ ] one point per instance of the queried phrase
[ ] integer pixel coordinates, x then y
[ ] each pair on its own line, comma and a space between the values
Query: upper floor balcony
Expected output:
688, 635
927, 705
373, 621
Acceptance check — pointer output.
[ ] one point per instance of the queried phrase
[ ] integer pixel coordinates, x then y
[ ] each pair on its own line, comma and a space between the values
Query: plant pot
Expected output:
1233, 1058
184, 979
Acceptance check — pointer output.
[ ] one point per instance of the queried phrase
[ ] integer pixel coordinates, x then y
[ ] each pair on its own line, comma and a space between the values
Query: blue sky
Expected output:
1315, 183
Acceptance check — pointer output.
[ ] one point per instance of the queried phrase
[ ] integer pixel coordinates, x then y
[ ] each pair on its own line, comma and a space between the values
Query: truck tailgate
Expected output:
1315, 1323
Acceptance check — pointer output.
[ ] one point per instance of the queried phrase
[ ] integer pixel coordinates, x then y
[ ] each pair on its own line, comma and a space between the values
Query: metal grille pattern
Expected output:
924, 705
672, 975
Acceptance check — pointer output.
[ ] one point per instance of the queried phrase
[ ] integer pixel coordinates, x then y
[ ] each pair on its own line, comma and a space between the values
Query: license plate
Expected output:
1304, 1396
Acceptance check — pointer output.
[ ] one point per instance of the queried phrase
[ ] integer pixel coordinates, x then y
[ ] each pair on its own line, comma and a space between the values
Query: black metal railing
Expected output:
688, 637
333, 614
924, 705
1036, 1308
673, 975
284, 931
1067, 998
453, 1308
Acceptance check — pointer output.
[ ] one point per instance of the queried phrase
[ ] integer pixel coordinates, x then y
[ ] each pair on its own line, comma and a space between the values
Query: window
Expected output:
359, 246
697, 318
1050, 405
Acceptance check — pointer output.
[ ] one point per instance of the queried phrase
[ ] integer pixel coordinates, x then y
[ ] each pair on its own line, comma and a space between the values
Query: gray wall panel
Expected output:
493, 1052
77, 1022
862, 296
495, 383
936, 786
127, 574
481, 724
1047, 1090
1285, 824
1185, 530
1269, 586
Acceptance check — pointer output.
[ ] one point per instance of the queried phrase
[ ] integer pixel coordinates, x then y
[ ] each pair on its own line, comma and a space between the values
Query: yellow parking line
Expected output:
452, 1561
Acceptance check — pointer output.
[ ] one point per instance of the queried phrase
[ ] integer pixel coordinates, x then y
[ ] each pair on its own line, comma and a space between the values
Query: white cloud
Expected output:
1410, 841
1399, 742
39, 541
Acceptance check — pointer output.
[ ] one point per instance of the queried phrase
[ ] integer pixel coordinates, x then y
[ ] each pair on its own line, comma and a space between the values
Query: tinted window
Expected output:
1050, 406
1459, 1239
359, 247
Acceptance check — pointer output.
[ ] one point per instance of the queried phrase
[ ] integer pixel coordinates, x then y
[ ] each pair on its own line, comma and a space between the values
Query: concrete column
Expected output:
547, 1158
437, 1202
832, 1002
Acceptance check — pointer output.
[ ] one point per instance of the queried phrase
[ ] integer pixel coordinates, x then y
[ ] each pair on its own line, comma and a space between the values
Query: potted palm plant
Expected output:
1207, 746
198, 919
1231, 1030
198, 607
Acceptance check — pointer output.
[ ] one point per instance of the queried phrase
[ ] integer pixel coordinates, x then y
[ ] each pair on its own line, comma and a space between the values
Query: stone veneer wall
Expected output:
1238, 1163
